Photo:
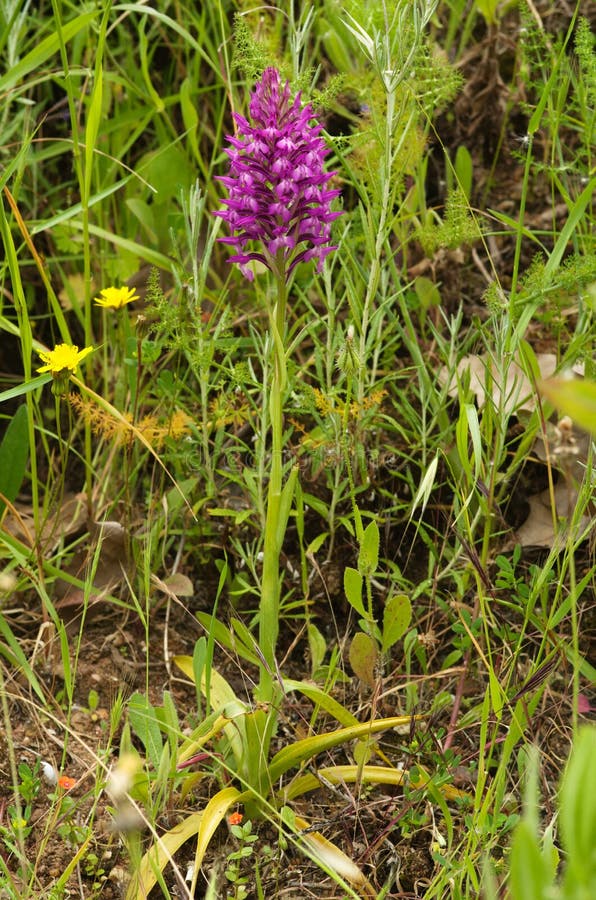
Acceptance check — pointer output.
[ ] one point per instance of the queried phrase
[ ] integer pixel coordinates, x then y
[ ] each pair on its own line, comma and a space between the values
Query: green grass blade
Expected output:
14, 453
39, 56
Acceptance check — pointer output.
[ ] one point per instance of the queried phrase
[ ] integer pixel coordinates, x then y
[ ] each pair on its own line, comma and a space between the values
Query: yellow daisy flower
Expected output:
63, 358
116, 298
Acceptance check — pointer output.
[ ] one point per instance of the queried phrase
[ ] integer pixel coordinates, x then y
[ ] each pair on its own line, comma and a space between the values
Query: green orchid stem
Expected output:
274, 518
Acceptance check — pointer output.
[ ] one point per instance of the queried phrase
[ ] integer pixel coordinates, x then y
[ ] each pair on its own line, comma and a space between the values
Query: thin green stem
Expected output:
520, 228
270, 588
380, 228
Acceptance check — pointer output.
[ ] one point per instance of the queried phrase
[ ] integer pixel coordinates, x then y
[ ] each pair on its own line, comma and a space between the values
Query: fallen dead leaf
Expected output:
109, 546
567, 450
65, 521
542, 528
515, 395
177, 585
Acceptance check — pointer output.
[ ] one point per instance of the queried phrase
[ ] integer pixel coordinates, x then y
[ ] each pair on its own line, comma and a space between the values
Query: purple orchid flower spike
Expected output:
277, 184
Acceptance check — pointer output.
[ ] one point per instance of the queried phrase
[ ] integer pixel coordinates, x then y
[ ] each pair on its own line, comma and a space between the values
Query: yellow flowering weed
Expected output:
63, 358
116, 298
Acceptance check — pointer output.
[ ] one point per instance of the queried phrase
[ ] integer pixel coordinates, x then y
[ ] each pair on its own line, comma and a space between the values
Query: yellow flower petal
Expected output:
63, 358
116, 298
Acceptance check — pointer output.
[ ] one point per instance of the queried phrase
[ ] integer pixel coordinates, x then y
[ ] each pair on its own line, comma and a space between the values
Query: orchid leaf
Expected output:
224, 700
309, 747
160, 854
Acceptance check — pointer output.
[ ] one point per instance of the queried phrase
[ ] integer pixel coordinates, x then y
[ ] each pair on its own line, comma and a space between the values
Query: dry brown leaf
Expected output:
176, 585
567, 450
109, 541
540, 528
515, 395
565, 447
66, 520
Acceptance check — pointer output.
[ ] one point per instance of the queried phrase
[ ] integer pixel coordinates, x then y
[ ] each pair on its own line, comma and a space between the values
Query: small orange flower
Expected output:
235, 818
66, 782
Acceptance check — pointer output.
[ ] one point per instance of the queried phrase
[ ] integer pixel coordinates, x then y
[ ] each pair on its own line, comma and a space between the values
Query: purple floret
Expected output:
277, 184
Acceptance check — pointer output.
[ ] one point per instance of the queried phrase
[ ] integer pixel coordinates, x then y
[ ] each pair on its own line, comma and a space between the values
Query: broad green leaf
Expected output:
397, 616
368, 557
318, 505
244, 636
165, 769
94, 115
316, 543
427, 292
259, 725
14, 453
317, 646
221, 692
168, 169
488, 8
211, 818
464, 170
461, 440
353, 582
146, 726
285, 505
466, 429
223, 637
189, 116
223, 700
159, 855
578, 811
199, 661
364, 658
363, 751
321, 698
145, 215
575, 398
526, 866
168, 716
497, 695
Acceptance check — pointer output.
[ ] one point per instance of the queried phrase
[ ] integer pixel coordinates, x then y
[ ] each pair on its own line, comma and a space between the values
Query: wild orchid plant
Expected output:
279, 213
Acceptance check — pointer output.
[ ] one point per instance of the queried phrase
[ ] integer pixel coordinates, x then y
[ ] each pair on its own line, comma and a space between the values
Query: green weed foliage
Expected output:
361, 494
